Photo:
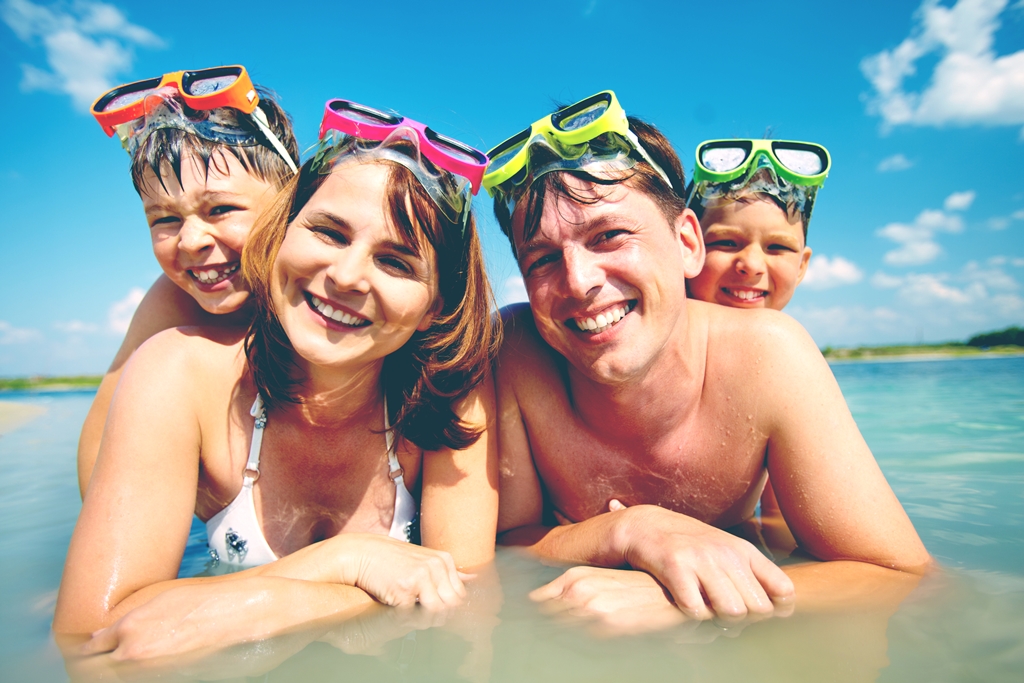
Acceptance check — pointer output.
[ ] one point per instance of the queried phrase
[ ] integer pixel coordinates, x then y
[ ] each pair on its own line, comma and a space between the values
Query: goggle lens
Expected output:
802, 161
575, 120
208, 86
723, 159
504, 153
454, 148
360, 114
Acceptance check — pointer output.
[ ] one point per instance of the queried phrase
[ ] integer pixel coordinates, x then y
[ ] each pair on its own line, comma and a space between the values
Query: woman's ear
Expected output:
428, 317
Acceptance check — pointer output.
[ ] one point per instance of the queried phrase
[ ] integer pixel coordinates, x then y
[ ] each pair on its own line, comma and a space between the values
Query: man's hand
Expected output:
701, 567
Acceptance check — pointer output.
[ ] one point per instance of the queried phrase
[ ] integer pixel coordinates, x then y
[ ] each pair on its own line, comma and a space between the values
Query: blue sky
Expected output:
917, 235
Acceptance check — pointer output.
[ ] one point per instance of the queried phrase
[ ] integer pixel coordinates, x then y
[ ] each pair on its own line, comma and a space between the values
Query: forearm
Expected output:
596, 541
845, 585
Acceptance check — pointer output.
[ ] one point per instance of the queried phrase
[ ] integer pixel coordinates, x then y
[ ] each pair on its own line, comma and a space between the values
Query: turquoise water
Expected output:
948, 434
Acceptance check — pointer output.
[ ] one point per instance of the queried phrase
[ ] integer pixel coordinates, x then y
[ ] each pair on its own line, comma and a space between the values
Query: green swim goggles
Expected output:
789, 170
801, 163
591, 135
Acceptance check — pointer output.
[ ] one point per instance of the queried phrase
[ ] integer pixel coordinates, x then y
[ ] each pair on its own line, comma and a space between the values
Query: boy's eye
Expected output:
164, 221
722, 244
223, 208
780, 247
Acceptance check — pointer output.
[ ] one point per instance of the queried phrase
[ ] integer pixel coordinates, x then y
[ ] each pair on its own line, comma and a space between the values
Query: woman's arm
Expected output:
165, 306
459, 503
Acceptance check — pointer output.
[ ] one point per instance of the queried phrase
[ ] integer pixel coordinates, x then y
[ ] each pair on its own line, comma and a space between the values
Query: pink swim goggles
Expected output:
451, 177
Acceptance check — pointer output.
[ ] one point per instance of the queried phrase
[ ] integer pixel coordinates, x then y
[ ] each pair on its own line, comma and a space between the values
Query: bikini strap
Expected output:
395, 468
252, 466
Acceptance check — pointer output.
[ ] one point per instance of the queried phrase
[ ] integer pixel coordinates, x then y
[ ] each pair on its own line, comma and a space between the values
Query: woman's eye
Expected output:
395, 263
329, 234
223, 208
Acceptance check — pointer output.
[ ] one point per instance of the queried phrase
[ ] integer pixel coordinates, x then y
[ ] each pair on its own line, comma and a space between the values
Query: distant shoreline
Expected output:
76, 383
898, 354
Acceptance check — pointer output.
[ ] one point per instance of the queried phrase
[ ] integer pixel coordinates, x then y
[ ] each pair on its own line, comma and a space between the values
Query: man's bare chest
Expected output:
704, 470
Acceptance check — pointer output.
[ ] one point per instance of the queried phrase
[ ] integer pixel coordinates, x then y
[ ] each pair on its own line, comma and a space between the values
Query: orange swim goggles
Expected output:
125, 109
221, 86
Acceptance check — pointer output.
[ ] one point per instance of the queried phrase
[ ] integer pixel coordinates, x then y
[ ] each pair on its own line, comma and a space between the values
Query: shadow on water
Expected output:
947, 434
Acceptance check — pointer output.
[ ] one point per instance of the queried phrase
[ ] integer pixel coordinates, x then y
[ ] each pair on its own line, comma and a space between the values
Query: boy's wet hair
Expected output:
166, 147
742, 194
641, 177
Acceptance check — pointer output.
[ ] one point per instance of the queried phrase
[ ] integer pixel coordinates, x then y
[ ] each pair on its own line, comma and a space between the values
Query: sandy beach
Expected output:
14, 415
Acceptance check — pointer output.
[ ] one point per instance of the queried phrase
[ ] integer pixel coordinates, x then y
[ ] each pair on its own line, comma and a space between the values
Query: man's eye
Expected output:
540, 262
610, 234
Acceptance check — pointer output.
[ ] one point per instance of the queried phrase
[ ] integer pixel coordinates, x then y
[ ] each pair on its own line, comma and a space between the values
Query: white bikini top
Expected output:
234, 533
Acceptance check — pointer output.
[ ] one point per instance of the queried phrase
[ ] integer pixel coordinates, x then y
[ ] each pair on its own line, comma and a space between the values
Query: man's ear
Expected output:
691, 242
804, 260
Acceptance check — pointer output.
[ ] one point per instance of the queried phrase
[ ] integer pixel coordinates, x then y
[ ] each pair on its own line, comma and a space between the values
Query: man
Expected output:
613, 387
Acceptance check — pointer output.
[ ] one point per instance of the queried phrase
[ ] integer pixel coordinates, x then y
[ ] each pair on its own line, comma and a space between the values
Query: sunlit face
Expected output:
346, 286
756, 255
604, 277
199, 226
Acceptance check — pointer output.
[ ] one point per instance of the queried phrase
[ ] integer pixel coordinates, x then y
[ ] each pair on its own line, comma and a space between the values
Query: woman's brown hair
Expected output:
425, 379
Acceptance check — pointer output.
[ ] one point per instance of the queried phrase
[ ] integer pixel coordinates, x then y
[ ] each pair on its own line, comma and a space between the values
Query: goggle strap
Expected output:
647, 157
260, 118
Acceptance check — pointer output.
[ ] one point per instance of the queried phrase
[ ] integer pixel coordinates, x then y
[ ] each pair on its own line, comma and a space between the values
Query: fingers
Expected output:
614, 505
551, 590
777, 585
104, 640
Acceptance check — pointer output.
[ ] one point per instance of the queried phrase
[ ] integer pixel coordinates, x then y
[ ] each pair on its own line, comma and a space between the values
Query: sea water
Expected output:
949, 436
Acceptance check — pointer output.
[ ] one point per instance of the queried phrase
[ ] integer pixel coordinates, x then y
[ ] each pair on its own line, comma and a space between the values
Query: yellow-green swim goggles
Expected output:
801, 163
592, 134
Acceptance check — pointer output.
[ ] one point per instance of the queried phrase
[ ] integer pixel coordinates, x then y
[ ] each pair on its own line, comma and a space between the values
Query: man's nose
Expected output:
583, 272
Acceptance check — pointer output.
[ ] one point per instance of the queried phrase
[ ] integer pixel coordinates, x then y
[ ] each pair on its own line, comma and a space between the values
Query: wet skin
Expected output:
756, 255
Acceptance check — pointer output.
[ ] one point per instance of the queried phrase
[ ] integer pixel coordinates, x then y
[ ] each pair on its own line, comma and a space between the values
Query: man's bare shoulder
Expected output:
769, 332
524, 354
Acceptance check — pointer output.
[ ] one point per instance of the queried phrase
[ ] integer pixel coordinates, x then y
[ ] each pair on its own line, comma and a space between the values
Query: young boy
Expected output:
208, 152
754, 200
754, 210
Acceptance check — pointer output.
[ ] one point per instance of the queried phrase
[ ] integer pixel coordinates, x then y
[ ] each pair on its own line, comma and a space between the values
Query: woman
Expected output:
362, 382
208, 153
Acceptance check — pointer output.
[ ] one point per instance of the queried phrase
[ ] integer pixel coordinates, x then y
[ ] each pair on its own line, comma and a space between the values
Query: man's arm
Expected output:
829, 487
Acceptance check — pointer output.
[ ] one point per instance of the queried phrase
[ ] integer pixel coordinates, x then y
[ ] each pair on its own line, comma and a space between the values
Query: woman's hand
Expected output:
397, 573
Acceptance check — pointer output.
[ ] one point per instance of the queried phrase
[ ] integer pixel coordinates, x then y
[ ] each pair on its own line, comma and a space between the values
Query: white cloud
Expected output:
825, 273
16, 335
87, 45
1019, 262
917, 244
75, 327
969, 85
998, 223
1019, 215
119, 317
897, 162
514, 291
959, 201
974, 285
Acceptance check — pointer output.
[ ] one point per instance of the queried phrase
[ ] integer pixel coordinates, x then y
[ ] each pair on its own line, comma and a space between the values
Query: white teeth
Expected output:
337, 315
746, 295
213, 276
603, 320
